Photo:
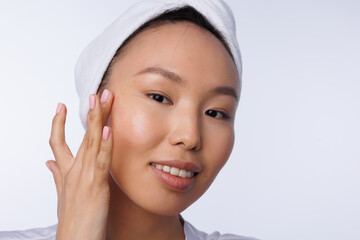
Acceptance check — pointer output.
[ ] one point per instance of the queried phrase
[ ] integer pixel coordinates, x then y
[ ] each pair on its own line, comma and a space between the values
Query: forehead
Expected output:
184, 48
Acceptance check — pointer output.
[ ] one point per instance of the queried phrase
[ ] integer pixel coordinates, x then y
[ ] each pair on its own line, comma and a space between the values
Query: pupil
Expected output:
212, 113
159, 98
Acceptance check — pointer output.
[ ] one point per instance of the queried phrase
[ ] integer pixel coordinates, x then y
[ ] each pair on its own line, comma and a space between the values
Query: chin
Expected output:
163, 202
166, 211
157, 199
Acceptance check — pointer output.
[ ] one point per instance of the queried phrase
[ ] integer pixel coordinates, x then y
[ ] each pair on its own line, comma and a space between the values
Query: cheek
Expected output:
219, 146
133, 125
224, 146
135, 133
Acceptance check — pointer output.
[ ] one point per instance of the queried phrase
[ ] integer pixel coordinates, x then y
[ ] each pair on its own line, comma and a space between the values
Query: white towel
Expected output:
96, 57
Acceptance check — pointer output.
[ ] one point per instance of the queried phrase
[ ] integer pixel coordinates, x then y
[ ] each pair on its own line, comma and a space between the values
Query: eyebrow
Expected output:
165, 73
178, 80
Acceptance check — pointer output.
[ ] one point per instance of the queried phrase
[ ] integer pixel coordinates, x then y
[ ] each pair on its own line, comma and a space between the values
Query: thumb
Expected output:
55, 170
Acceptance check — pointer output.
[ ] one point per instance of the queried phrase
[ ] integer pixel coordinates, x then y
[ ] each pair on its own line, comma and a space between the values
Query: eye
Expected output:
216, 114
159, 98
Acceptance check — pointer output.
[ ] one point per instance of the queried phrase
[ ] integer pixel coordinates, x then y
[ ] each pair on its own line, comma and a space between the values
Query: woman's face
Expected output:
174, 87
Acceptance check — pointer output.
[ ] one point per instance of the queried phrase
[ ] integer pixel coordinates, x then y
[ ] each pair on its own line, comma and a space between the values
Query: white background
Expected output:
294, 171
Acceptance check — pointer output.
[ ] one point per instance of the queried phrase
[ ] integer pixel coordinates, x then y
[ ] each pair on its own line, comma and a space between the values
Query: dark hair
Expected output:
186, 13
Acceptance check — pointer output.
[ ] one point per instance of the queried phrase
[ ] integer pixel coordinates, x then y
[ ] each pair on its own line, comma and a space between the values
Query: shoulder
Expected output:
192, 233
46, 233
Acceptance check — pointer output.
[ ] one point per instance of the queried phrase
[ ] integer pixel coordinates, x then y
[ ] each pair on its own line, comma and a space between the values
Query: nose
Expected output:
186, 131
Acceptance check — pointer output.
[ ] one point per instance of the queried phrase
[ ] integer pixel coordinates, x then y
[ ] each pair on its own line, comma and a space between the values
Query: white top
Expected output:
49, 233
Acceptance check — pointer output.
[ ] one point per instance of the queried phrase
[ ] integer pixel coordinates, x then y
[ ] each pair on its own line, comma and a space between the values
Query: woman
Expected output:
158, 94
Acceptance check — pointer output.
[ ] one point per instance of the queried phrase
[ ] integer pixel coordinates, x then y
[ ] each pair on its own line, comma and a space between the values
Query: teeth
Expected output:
182, 173
166, 169
174, 171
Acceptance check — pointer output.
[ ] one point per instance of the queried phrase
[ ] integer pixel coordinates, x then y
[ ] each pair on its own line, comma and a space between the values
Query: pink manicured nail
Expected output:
58, 109
92, 101
105, 96
106, 133
48, 166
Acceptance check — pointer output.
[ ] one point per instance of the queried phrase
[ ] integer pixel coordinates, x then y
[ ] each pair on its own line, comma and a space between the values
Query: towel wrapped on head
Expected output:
94, 60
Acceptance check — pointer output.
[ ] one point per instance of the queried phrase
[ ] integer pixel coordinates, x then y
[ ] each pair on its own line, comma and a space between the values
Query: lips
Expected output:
173, 170
176, 174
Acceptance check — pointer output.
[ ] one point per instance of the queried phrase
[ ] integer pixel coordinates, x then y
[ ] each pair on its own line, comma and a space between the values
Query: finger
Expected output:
57, 142
58, 179
106, 102
103, 162
53, 167
93, 134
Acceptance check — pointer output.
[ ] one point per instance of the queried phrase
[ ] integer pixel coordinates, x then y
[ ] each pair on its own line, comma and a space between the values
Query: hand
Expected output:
82, 182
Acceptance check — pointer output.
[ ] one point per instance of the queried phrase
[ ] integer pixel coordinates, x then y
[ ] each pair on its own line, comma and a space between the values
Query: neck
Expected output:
127, 220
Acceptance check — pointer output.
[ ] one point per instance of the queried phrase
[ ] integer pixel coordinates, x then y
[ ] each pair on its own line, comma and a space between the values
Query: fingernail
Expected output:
48, 166
106, 133
92, 101
105, 96
58, 109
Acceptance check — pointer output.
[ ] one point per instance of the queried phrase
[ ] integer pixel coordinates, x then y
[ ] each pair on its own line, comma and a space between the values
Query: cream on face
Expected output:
173, 89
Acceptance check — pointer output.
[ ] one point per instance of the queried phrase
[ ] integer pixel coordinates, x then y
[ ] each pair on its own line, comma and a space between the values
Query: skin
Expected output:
131, 202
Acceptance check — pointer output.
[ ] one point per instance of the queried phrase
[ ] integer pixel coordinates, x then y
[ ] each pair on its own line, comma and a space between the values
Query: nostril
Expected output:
196, 148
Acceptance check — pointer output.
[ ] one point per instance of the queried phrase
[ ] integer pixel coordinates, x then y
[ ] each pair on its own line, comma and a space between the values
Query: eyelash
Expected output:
159, 95
224, 115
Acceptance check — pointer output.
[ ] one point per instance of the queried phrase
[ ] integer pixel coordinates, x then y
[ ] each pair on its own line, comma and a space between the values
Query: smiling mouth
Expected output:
174, 171
175, 178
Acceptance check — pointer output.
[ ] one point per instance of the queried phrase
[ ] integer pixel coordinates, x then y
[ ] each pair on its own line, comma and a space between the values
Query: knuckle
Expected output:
90, 142
101, 165
106, 147
94, 116
91, 116
52, 142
